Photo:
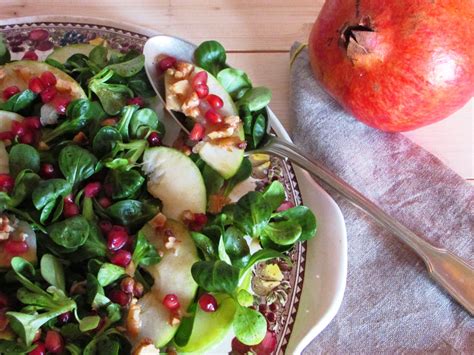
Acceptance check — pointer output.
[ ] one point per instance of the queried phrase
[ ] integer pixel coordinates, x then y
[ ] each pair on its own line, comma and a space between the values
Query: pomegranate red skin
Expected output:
419, 67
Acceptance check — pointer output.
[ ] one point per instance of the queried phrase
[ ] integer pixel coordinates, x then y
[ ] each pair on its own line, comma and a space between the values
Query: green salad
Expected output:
112, 242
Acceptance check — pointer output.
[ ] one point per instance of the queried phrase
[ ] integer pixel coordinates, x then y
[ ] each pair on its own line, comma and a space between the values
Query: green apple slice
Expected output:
210, 327
6, 119
225, 160
19, 74
62, 54
175, 180
172, 275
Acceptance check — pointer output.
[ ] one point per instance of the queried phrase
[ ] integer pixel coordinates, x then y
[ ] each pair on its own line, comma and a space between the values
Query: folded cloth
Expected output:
390, 304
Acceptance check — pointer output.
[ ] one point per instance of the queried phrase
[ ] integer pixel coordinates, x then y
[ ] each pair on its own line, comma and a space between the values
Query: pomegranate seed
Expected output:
39, 350
6, 135
69, 198
197, 133
215, 101
267, 345
6, 183
27, 138
48, 94
32, 122
129, 244
138, 289
48, 79
116, 239
198, 222
70, 210
30, 55
61, 103
105, 202
120, 297
10, 91
171, 302
15, 247
262, 308
35, 85
213, 117
65, 317
4, 302
92, 189
270, 316
105, 226
121, 258
285, 206
154, 139
127, 284
199, 79
38, 35
239, 347
136, 101
208, 303
54, 342
47, 171
18, 129
273, 307
166, 63
202, 90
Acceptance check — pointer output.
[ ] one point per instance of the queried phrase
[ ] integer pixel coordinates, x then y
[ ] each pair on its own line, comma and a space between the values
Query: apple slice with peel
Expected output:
62, 54
224, 159
172, 275
210, 328
6, 119
175, 180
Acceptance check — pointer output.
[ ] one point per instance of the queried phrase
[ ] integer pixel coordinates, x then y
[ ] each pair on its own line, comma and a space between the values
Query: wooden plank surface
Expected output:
260, 33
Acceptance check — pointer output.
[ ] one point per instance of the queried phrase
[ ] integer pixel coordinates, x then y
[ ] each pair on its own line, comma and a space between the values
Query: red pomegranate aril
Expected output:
197, 133
32, 122
7, 136
30, 55
138, 289
105, 202
27, 138
171, 302
121, 258
154, 139
35, 85
69, 198
286, 205
48, 94
48, 79
166, 63
116, 239
199, 79
92, 189
208, 303
120, 297
239, 347
200, 218
215, 101
105, 226
273, 307
136, 101
262, 308
47, 171
18, 129
61, 103
10, 91
213, 117
70, 210
267, 345
65, 317
127, 284
38, 35
54, 342
15, 247
202, 90
6, 183
39, 350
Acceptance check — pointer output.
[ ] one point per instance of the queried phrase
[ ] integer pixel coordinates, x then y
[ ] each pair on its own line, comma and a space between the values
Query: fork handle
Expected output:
451, 272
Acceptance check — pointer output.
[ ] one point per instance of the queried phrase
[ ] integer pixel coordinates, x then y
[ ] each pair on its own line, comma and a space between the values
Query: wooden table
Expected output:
258, 33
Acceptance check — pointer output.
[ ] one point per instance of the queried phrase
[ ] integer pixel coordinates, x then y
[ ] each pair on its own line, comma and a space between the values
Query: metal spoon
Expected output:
450, 271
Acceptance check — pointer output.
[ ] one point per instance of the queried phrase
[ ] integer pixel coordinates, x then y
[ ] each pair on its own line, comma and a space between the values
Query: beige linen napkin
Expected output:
390, 305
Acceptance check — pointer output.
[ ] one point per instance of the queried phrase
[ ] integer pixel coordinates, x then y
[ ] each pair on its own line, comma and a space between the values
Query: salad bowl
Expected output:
316, 282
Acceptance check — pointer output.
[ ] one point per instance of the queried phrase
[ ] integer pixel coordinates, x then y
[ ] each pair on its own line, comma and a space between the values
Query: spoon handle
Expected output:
451, 272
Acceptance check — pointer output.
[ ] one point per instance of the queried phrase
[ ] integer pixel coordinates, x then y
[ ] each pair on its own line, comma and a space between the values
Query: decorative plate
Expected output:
310, 294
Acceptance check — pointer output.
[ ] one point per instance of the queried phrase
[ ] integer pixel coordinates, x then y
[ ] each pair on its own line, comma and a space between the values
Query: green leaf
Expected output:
236, 246
70, 233
125, 184
129, 68
10, 347
211, 56
212, 179
256, 98
98, 56
249, 325
205, 245
234, 81
131, 212
245, 298
259, 130
71, 347
215, 276
19, 102
22, 157
50, 190
126, 117
140, 85
283, 232
252, 213
89, 323
95, 293
25, 183
76, 164
52, 271
186, 327
105, 140
112, 96
244, 172
144, 253
94, 246
4, 54
109, 273
222, 252
302, 216
274, 194
143, 121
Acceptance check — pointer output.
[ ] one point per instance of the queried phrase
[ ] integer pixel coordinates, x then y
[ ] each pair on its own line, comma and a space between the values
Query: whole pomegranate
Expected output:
395, 65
